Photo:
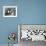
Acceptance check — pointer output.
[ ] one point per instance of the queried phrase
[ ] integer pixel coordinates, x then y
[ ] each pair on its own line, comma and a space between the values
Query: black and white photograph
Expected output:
29, 34
9, 11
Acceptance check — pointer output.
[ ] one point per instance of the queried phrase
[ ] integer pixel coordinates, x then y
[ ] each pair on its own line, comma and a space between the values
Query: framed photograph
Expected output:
9, 11
31, 32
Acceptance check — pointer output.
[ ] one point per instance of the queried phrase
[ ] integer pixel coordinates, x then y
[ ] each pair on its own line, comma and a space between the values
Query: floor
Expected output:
30, 43
7, 45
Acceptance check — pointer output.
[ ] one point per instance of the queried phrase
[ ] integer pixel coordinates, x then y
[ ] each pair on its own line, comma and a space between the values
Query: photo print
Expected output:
9, 11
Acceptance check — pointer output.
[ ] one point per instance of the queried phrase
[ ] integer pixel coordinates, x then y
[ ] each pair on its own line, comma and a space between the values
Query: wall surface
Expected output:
29, 12
7, 25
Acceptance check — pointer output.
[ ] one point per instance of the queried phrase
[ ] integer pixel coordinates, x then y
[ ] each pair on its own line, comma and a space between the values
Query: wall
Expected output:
7, 25
29, 12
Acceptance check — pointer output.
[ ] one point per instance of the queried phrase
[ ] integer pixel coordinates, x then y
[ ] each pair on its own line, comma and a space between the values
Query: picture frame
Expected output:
39, 28
9, 11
